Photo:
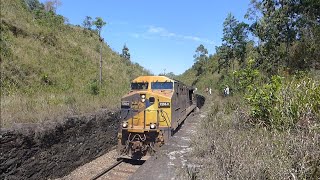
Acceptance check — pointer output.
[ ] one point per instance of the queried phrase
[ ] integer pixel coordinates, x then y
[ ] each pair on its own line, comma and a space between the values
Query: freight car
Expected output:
152, 110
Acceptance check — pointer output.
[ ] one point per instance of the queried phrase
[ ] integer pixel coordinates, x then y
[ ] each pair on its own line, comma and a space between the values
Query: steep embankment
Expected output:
50, 68
55, 149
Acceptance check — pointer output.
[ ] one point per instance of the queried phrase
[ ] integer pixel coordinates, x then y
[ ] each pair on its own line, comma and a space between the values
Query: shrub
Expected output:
299, 103
94, 87
262, 100
246, 77
33, 4
6, 51
283, 105
49, 19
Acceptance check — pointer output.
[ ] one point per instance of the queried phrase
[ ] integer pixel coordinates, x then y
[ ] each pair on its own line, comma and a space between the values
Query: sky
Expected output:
161, 35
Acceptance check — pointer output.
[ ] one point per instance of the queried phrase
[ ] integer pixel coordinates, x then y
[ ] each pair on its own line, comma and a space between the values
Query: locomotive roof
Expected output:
155, 79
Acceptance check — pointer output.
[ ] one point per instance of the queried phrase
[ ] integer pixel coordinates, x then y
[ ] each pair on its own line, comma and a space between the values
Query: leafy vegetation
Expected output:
261, 68
50, 68
269, 128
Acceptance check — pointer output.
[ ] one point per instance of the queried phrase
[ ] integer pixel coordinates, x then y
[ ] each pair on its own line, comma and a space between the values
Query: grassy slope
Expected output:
48, 71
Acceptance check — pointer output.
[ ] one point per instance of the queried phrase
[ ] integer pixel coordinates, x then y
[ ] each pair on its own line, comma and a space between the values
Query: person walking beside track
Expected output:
226, 91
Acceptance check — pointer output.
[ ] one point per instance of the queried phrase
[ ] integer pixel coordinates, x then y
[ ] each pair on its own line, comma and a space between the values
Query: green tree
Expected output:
229, 25
34, 4
125, 52
240, 41
306, 51
234, 41
200, 58
288, 32
99, 23
87, 22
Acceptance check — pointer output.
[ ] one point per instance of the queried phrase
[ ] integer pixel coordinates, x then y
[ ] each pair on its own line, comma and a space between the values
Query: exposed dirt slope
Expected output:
55, 149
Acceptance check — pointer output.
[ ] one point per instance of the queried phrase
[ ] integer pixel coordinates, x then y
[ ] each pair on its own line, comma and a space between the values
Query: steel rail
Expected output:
107, 170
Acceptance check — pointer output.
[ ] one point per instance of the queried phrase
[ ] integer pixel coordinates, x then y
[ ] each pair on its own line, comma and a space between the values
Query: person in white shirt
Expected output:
227, 91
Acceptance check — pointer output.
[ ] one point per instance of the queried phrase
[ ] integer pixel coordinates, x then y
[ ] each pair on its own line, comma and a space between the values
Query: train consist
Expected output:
152, 110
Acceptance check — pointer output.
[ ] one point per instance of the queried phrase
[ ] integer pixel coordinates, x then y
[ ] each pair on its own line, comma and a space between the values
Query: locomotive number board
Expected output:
125, 104
164, 104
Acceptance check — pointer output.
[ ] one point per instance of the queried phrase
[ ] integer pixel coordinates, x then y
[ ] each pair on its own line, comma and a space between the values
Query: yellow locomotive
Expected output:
150, 113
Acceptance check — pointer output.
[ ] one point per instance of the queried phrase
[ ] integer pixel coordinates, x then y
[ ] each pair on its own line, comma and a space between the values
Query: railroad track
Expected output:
121, 169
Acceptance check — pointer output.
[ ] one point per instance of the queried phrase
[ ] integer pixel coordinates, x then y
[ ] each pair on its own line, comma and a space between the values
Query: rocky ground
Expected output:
53, 150
95, 167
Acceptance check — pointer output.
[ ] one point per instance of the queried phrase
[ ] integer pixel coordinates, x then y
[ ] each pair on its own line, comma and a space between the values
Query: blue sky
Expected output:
160, 34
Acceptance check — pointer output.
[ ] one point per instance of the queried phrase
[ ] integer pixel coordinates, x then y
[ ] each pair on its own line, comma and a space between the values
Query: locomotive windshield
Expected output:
139, 86
161, 85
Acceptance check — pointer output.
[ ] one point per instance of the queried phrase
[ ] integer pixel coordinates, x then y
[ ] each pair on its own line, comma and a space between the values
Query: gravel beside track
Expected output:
120, 172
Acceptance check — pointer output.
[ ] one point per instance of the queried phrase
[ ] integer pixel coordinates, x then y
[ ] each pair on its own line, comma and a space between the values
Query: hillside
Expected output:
49, 68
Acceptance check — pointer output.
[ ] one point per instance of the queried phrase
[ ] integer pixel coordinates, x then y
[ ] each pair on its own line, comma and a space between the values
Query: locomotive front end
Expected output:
145, 115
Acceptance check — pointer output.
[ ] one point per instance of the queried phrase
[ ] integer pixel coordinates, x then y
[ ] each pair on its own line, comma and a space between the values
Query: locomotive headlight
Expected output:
152, 126
143, 97
125, 124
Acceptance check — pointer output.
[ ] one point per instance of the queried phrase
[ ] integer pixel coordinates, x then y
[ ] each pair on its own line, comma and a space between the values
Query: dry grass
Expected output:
226, 147
50, 70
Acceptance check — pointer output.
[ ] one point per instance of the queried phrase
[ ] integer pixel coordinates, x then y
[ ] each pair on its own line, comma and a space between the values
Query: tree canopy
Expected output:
99, 23
125, 52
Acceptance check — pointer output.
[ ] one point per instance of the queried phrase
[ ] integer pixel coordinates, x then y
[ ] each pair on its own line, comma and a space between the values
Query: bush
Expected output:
33, 4
262, 100
6, 51
284, 105
94, 87
299, 104
49, 19
246, 77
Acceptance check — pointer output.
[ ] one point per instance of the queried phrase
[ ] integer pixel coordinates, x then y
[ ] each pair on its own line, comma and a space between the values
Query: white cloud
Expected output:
160, 31
140, 35
152, 31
